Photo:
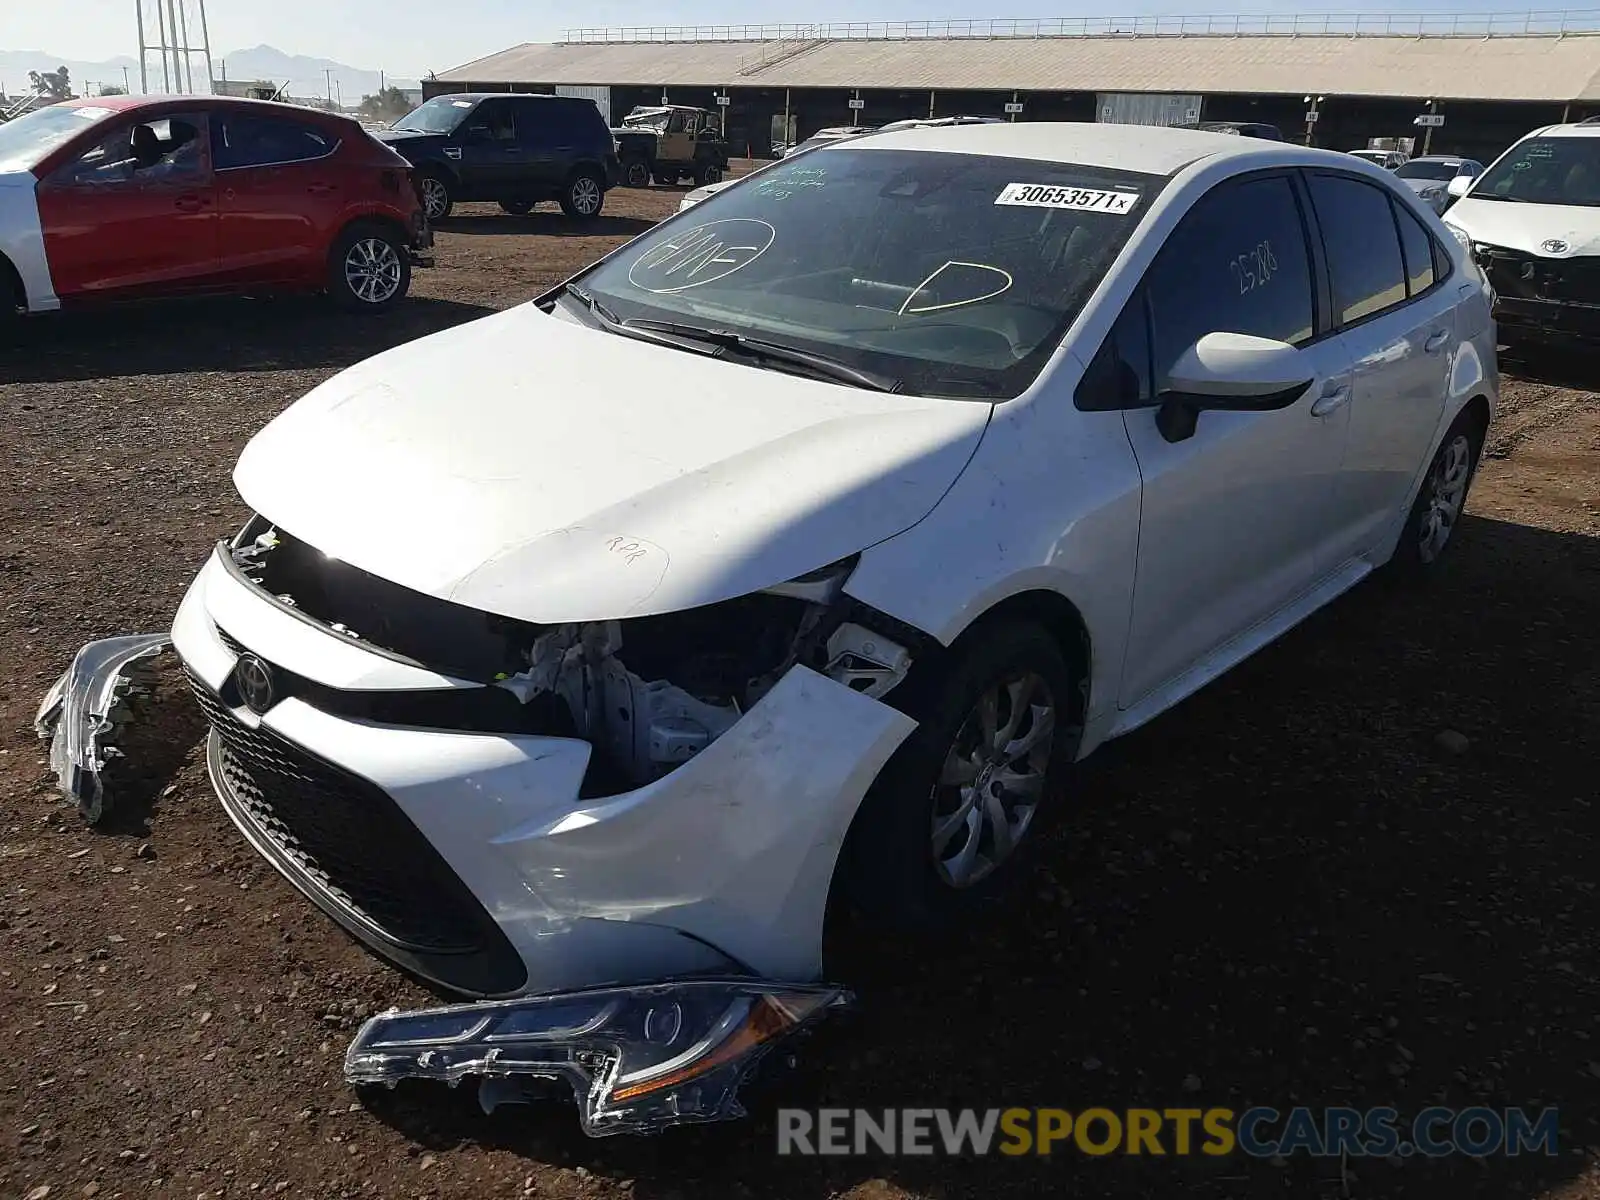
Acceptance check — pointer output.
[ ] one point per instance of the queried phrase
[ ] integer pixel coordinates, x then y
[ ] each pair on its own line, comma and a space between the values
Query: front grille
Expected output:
346, 843
1520, 276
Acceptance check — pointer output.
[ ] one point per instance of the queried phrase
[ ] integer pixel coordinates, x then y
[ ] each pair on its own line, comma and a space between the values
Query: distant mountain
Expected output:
306, 76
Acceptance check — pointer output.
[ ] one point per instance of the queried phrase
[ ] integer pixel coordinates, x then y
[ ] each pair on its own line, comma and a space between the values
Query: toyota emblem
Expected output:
1554, 246
256, 687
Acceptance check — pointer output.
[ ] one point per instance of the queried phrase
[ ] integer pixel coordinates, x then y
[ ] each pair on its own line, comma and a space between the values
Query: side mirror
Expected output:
1233, 372
1460, 185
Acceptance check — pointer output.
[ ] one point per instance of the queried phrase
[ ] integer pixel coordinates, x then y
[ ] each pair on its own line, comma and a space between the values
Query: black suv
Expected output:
516, 149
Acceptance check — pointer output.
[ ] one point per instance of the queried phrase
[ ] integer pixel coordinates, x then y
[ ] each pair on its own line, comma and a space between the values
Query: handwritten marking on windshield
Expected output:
1004, 280
1080, 199
701, 255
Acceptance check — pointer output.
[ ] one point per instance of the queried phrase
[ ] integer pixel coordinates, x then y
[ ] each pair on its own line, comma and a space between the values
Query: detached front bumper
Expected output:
1547, 320
470, 858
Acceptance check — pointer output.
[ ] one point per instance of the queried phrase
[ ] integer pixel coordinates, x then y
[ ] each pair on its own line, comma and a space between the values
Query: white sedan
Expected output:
961, 451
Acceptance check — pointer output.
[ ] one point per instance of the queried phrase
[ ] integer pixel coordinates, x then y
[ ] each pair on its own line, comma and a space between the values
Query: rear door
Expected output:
279, 193
119, 223
1396, 317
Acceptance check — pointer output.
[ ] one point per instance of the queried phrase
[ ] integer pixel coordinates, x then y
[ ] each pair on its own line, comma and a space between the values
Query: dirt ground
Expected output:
1286, 891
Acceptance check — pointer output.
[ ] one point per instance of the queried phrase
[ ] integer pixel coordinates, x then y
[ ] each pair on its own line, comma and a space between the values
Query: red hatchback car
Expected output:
133, 197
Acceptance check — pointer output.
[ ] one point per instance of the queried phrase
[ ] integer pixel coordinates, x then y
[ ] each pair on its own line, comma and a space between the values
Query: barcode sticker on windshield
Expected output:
1043, 195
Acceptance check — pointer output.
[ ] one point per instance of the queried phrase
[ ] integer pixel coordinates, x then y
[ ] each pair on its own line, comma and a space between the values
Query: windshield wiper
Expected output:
584, 297
740, 344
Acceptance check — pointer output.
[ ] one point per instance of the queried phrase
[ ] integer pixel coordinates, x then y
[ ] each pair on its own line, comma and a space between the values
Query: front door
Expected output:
1397, 319
1235, 518
134, 214
493, 163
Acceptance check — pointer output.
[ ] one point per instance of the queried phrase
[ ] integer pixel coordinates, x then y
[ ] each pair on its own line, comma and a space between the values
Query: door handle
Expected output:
319, 189
189, 203
1435, 341
1333, 398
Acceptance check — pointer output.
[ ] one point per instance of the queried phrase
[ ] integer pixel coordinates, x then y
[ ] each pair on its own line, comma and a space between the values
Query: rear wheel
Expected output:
709, 173
437, 196
369, 269
517, 208
584, 195
1442, 498
636, 174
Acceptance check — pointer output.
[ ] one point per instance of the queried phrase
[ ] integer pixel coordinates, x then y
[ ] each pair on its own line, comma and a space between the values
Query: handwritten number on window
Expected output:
1253, 269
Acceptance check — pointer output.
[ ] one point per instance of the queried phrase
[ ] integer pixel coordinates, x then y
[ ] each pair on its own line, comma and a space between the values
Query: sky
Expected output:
410, 37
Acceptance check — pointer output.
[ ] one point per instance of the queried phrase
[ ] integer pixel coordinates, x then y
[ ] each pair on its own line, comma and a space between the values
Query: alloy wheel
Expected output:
1447, 495
372, 270
435, 198
586, 196
993, 779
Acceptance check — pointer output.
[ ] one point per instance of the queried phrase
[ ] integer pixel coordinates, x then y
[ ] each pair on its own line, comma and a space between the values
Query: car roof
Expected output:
1574, 130
122, 104
1151, 149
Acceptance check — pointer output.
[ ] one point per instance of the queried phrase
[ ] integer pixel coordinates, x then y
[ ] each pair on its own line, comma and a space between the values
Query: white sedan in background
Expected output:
538, 680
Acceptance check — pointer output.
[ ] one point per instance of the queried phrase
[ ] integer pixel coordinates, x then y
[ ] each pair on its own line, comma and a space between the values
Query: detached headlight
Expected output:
638, 1058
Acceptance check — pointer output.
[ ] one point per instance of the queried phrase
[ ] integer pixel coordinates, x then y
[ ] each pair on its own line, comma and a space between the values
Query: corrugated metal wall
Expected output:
1138, 108
600, 95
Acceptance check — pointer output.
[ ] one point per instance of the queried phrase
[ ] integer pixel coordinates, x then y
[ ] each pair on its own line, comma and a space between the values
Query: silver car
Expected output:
1430, 176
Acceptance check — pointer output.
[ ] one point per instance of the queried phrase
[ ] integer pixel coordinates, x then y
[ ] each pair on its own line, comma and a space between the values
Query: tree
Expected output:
55, 84
389, 104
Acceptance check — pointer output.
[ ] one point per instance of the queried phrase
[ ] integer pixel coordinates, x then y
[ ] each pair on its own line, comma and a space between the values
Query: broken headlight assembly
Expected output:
638, 1059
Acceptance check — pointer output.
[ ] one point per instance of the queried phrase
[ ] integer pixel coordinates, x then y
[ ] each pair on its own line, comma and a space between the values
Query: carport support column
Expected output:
1015, 97
855, 111
1427, 134
787, 131
930, 105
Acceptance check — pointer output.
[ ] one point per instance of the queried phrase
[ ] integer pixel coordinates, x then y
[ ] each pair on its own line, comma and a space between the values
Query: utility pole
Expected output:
327, 78
380, 81
126, 86
183, 39
205, 42
177, 54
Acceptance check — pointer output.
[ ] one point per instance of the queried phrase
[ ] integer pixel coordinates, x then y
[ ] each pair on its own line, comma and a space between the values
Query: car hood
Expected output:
400, 139
533, 467
1526, 227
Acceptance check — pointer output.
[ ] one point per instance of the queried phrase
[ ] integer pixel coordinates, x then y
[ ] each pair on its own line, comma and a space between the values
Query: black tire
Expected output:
890, 870
584, 195
1442, 497
369, 269
438, 195
709, 173
517, 208
636, 173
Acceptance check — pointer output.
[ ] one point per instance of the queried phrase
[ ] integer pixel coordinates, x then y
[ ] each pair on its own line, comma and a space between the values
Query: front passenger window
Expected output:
1236, 264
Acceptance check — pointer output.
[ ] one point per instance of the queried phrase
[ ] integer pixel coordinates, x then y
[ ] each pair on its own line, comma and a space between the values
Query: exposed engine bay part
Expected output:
648, 693
638, 1059
85, 710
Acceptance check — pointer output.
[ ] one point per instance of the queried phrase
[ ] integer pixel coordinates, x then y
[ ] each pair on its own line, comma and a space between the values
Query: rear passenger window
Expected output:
239, 141
1236, 264
1418, 248
1364, 260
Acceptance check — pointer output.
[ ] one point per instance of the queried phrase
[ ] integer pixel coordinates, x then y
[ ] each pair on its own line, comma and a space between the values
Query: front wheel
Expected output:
636, 174
1442, 498
957, 810
369, 269
517, 208
708, 174
437, 197
584, 196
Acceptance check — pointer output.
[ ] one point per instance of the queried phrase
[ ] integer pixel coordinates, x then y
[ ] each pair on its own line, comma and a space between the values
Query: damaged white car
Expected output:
779, 557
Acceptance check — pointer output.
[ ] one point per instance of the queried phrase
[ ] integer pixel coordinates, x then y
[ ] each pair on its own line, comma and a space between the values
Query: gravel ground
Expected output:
1288, 891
